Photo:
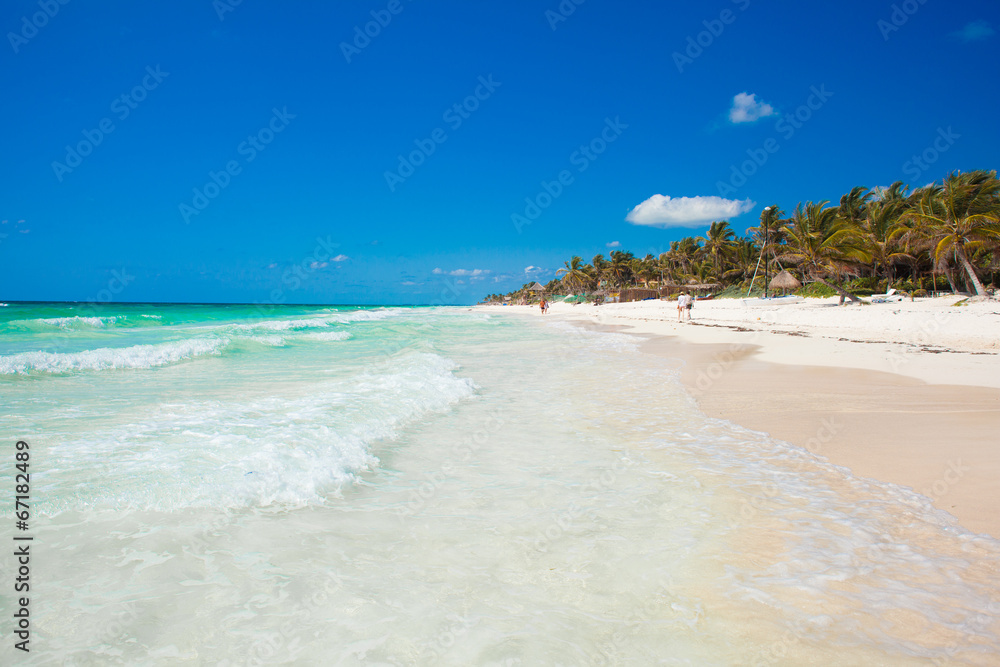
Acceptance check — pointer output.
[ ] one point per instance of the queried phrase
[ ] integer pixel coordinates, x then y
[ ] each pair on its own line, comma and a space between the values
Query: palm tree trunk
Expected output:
951, 280
970, 271
844, 294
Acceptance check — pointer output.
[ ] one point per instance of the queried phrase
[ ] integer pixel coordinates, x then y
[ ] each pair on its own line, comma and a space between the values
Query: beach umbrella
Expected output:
784, 281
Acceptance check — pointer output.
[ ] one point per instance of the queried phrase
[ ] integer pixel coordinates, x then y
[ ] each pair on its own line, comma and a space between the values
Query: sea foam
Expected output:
289, 450
107, 358
75, 322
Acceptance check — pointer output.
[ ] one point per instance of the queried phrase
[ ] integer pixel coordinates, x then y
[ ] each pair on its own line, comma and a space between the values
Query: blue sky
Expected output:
250, 152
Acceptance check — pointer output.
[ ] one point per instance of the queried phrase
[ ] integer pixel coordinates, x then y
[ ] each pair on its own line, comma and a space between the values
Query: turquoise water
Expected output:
321, 485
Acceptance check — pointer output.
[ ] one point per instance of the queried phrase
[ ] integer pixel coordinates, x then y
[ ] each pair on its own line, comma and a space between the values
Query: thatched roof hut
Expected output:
702, 286
536, 287
784, 281
637, 294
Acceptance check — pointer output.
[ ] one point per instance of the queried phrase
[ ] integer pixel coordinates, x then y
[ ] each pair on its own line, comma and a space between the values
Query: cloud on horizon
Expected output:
747, 109
974, 31
462, 272
664, 211
614, 244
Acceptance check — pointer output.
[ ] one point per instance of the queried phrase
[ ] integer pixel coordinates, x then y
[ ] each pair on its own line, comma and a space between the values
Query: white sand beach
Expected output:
904, 392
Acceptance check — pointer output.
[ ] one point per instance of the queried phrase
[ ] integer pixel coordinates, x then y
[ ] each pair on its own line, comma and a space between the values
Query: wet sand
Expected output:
922, 427
941, 440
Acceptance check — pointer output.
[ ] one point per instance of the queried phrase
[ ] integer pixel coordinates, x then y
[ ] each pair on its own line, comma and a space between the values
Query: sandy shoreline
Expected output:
906, 392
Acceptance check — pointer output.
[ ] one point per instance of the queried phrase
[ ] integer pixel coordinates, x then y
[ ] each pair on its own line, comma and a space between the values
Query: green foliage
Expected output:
933, 238
818, 290
735, 292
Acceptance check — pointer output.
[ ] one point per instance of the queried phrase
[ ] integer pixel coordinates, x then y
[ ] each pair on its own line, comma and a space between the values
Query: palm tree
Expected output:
665, 267
880, 230
575, 273
853, 205
822, 245
961, 217
768, 236
676, 259
620, 269
644, 269
600, 270
719, 245
743, 260
683, 254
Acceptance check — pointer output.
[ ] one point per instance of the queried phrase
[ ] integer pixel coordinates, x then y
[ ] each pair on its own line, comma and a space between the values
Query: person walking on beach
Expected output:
681, 303
541, 306
688, 305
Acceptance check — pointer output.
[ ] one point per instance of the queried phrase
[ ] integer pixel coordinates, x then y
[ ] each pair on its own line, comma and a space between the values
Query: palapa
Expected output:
701, 286
784, 280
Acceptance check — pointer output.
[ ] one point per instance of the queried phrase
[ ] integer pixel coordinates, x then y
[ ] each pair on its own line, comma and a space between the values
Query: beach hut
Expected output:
533, 292
638, 294
599, 296
695, 286
784, 281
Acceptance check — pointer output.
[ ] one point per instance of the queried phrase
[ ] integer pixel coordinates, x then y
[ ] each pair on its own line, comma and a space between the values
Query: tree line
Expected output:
875, 238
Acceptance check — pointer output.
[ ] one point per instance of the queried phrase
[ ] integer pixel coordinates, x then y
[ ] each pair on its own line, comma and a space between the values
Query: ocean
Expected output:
240, 485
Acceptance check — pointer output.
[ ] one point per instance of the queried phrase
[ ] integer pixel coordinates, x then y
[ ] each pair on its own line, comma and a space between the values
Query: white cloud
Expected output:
272, 265
339, 258
614, 244
664, 211
746, 109
318, 265
408, 283
975, 31
462, 272
533, 271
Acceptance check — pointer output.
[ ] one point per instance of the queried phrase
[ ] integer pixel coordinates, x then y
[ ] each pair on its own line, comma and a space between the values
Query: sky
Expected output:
434, 152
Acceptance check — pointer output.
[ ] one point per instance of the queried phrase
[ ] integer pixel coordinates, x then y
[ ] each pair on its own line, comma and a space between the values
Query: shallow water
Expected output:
222, 485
